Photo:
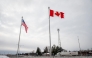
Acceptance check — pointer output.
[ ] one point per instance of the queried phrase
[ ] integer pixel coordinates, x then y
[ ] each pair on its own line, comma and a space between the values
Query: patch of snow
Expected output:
3, 56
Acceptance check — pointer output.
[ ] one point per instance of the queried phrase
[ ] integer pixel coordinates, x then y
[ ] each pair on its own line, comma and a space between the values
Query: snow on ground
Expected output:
2, 56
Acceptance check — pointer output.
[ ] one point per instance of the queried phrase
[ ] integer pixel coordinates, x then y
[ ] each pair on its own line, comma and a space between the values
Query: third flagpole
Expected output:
49, 31
19, 38
79, 45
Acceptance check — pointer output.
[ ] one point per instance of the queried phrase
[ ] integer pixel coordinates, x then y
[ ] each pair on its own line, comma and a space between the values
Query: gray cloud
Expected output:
77, 22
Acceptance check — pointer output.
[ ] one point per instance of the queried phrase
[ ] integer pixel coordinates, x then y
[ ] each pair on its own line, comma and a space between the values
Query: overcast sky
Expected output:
77, 22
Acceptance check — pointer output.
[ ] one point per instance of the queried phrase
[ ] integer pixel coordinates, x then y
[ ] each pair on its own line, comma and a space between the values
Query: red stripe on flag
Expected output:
62, 15
24, 24
51, 13
26, 28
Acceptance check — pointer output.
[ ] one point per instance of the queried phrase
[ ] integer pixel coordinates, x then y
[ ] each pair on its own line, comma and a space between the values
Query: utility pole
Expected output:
59, 42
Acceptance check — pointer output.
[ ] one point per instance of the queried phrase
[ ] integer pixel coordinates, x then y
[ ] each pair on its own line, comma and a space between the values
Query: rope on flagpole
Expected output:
19, 38
49, 32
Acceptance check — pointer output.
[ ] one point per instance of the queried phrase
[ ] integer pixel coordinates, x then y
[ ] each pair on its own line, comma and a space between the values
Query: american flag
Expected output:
24, 24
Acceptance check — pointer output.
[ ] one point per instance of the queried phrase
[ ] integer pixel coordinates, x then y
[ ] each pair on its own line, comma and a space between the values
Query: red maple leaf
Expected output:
57, 13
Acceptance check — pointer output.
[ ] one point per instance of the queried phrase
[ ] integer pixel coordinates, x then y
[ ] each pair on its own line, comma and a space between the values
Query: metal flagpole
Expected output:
19, 38
79, 46
59, 43
49, 31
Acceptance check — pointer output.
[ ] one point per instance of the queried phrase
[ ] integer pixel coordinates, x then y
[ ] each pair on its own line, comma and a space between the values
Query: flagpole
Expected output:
19, 38
49, 31
59, 43
79, 46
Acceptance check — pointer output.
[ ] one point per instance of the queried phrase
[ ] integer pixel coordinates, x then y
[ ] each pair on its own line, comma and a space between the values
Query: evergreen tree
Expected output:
57, 49
38, 51
54, 51
46, 50
60, 49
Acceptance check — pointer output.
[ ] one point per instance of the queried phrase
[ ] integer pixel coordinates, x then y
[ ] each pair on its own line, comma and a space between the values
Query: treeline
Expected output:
54, 50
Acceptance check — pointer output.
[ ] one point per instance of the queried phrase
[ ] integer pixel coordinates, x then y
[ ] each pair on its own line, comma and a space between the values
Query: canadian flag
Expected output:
59, 14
